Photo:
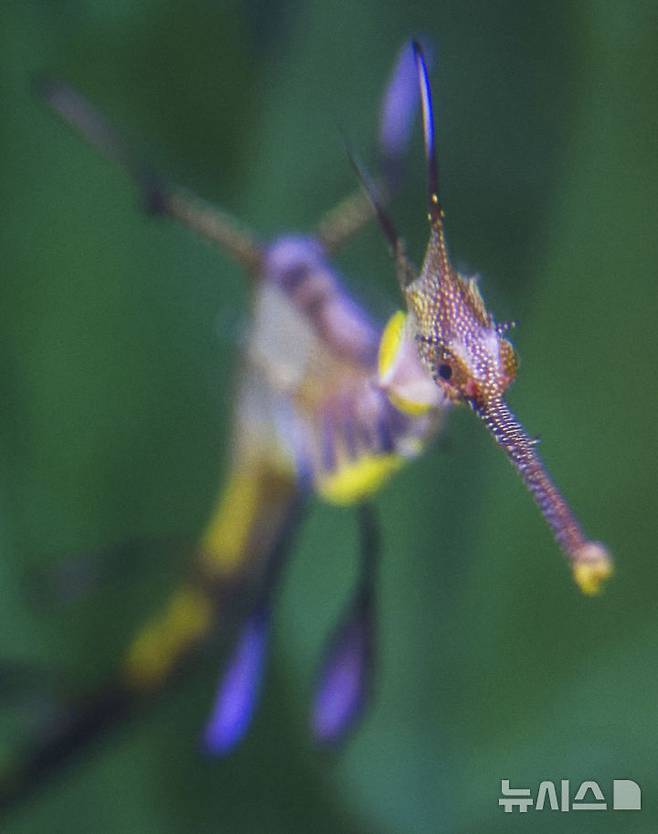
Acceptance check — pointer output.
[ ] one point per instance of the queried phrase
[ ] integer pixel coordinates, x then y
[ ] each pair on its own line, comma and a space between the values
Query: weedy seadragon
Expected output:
329, 404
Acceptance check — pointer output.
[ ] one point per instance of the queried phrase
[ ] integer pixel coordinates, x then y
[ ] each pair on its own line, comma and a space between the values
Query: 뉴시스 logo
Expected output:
626, 795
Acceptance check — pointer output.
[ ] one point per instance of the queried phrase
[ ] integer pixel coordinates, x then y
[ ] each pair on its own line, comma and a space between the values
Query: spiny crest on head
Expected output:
435, 210
458, 339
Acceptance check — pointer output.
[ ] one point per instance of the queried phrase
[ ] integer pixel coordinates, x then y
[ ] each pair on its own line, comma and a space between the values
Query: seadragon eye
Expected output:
444, 371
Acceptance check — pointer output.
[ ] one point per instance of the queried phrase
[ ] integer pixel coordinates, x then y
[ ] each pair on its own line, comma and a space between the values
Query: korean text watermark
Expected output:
624, 795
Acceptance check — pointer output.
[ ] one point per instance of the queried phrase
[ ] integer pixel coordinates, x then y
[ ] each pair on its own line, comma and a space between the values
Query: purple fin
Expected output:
239, 687
399, 106
345, 676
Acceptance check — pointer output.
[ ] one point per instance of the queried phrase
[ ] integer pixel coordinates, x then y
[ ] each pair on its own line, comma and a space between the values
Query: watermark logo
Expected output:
626, 795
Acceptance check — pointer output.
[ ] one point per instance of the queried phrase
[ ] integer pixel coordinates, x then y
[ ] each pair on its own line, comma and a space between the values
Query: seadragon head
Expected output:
458, 341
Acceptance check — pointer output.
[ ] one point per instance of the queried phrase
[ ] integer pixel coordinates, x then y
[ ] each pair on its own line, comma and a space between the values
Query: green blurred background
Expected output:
119, 340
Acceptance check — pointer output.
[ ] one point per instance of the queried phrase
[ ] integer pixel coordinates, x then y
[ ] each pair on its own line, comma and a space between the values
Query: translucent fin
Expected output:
398, 112
345, 681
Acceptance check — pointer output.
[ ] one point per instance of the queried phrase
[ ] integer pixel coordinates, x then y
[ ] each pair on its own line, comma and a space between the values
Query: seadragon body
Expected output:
329, 403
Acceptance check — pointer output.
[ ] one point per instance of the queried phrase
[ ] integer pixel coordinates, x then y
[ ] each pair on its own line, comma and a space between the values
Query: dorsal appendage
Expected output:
472, 362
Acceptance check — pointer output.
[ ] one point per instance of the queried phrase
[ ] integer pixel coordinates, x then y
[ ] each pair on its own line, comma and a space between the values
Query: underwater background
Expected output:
120, 336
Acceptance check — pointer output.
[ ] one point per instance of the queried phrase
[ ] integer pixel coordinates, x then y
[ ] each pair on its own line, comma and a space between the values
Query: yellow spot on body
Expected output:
225, 539
158, 647
355, 481
391, 341
390, 347
413, 409
591, 567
